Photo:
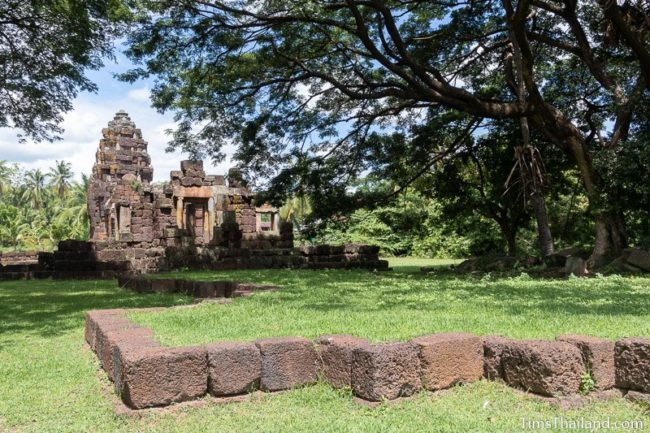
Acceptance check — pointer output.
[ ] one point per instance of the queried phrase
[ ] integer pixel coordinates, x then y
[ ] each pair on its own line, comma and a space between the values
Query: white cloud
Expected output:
83, 130
140, 95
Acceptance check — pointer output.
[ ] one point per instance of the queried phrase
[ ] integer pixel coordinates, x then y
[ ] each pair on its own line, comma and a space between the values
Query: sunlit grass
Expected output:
50, 382
402, 304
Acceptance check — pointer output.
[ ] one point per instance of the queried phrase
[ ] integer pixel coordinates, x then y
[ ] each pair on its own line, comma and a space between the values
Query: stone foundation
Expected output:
197, 289
313, 257
147, 375
76, 260
107, 260
19, 258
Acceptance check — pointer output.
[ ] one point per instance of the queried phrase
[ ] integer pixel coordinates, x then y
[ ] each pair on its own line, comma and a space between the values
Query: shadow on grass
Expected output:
407, 288
606, 297
49, 308
53, 307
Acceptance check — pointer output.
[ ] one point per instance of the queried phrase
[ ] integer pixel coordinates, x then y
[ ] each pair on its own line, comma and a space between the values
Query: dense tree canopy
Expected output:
46, 46
313, 80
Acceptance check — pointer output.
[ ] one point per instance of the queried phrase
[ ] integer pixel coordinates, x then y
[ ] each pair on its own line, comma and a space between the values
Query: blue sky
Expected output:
83, 128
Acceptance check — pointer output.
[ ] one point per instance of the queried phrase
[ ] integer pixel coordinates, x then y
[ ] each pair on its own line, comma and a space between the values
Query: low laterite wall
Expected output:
197, 289
148, 375
108, 260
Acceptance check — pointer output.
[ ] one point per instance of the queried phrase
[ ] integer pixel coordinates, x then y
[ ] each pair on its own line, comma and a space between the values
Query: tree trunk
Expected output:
611, 237
510, 236
610, 229
511, 240
545, 236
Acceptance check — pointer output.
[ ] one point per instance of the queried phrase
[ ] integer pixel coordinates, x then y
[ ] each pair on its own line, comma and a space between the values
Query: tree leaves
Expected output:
35, 214
45, 49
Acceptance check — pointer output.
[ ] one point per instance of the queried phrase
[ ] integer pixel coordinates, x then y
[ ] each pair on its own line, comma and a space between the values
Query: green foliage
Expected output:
456, 237
368, 227
414, 225
136, 185
296, 210
36, 214
47, 47
587, 383
569, 212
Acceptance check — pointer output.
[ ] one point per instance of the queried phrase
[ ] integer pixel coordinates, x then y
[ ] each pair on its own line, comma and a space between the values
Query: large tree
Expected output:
312, 79
46, 46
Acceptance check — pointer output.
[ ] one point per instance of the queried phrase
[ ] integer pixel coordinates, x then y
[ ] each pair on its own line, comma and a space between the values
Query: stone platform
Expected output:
146, 375
105, 260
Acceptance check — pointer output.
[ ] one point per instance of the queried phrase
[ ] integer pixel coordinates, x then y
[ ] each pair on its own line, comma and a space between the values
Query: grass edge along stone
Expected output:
146, 375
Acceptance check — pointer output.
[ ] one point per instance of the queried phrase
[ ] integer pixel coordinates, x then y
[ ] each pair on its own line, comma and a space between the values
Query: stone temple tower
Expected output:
120, 188
131, 219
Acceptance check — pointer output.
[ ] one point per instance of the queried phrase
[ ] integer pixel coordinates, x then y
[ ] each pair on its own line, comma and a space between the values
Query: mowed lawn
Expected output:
50, 381
405, 303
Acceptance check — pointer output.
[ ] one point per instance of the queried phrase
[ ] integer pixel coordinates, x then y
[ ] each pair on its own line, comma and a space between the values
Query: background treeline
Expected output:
416, 225
462, 210
38, 209
468, 207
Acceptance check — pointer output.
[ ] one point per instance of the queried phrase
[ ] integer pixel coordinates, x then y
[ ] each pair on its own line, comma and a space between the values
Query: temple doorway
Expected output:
196, 220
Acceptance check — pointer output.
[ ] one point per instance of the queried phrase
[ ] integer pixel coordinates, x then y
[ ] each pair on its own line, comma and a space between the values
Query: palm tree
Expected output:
296, 209
11, 224
34, 186
74, 215
60, 176
6, 172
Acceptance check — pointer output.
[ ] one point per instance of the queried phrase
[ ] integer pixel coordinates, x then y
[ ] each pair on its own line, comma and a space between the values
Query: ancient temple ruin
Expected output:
194, 220
191, 209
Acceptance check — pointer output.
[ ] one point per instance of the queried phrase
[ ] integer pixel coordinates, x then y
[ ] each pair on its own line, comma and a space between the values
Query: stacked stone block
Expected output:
233, 368
197, 289
342, 256
73, 260
385, 371
598, 357
548, 368
336, 355
243, 208
632, 364
449, 359
147, 375
121, 180
24, 265
229, 256
151, 376
10, 258
287, 362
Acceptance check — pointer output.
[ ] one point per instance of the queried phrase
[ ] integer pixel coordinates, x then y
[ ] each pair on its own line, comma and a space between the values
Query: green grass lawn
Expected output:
404, 303
50, 382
